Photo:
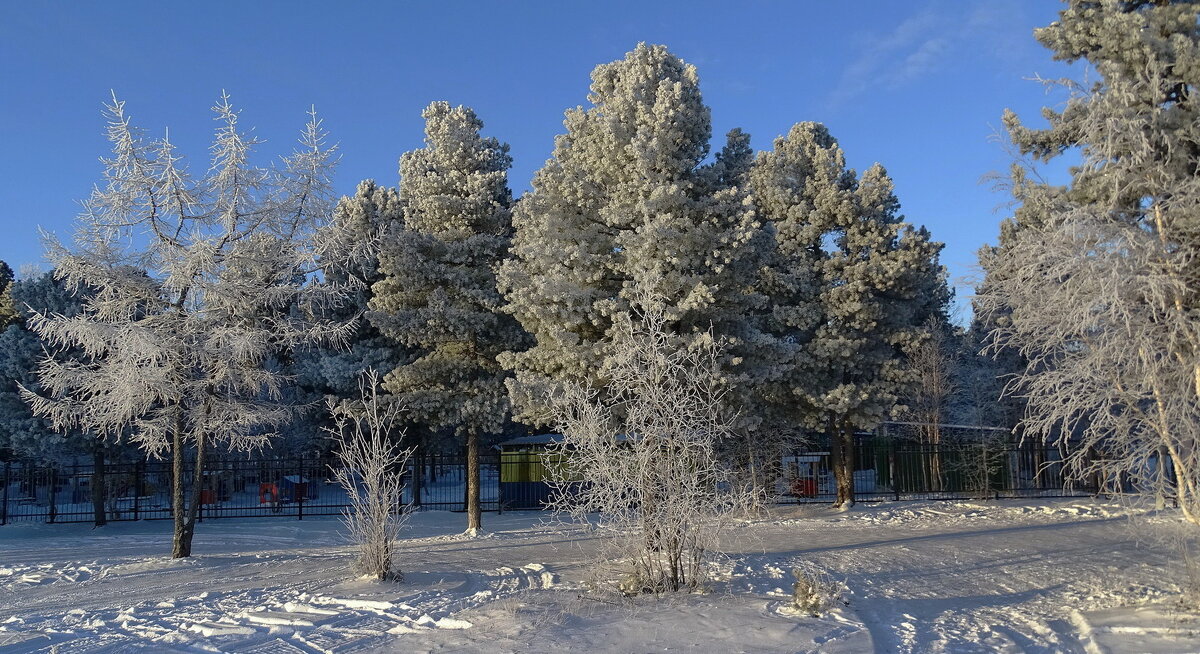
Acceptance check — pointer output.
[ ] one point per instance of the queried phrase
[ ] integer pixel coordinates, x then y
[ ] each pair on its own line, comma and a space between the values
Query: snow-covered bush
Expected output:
372, 474
643, 455
814, 592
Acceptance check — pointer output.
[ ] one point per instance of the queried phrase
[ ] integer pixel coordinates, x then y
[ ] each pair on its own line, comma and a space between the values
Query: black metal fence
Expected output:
915, 461
895, 463
292, 488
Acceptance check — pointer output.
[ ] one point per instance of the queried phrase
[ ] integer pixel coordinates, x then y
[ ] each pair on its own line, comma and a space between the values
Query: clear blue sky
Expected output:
918, 86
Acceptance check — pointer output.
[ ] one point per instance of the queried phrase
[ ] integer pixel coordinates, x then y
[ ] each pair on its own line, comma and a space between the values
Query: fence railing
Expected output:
914, 461
293, 488
897, 465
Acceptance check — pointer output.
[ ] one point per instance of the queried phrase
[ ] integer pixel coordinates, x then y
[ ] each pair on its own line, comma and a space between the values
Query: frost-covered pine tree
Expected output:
626, 200
360, 222
9, 312
363, 221
1100, 295
20, 352
23, 433
438, 293
196, 282
851, 287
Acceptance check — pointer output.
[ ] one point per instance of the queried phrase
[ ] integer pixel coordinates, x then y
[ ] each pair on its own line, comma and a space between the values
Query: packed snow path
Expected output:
1045, 576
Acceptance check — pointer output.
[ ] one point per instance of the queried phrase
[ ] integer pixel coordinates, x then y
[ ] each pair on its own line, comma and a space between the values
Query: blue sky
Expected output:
918, 86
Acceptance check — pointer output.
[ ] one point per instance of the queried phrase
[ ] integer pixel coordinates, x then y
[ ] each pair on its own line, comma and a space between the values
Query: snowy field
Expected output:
1015, 576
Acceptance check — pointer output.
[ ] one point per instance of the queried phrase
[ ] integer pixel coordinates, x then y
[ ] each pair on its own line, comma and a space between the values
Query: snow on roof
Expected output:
542, 439
536, 439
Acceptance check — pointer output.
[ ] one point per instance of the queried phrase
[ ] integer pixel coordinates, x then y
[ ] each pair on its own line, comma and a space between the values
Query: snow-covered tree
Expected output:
644, 454
625, 200
992, 364
20, 353
196, 282
372, 474
438, 292
9, 313
979, 400
323, 371
851, 287
936, 361
1101, 297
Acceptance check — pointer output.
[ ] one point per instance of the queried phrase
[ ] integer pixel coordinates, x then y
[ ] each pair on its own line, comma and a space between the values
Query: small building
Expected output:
524, 473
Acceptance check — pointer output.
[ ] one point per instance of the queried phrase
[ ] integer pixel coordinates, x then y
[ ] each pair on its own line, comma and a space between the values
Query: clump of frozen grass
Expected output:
814, 592
372, 469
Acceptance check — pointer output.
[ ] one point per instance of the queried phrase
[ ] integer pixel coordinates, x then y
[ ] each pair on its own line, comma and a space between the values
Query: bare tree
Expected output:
934, 361
372, 473
644, 454
1103, 297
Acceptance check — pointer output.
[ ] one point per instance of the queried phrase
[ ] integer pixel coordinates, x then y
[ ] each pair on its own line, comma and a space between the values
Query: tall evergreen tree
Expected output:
851, 287
625, 202
21, 352
438, 293
361, 222
9, 312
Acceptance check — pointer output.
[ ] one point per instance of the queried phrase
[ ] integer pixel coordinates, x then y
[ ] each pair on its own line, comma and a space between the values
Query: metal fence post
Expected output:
987, 472
4, 500
138, 471
302, 486
892, 468
53, 491
418, 472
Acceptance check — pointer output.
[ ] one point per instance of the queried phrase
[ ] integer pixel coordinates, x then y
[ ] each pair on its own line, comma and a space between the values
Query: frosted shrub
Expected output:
644, 456
814, 592
979, 462
372, 475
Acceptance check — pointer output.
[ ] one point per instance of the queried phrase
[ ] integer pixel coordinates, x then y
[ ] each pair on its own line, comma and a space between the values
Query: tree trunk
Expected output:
935, 461
474, 509
842, 460
99, 487
185, 513
180, 548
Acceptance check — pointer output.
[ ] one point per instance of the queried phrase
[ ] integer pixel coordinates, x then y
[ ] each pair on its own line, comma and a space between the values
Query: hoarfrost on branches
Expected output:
1098, 287
645, 455
195, 283
372, 474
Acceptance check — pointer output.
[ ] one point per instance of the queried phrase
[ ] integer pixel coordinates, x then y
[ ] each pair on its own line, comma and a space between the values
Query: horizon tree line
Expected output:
206, 300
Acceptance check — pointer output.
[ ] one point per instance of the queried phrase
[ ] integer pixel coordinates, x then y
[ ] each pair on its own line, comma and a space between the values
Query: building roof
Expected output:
543, 439
536, 439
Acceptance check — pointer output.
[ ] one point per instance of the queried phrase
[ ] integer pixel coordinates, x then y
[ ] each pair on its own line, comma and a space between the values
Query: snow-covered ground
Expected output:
1013, 576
